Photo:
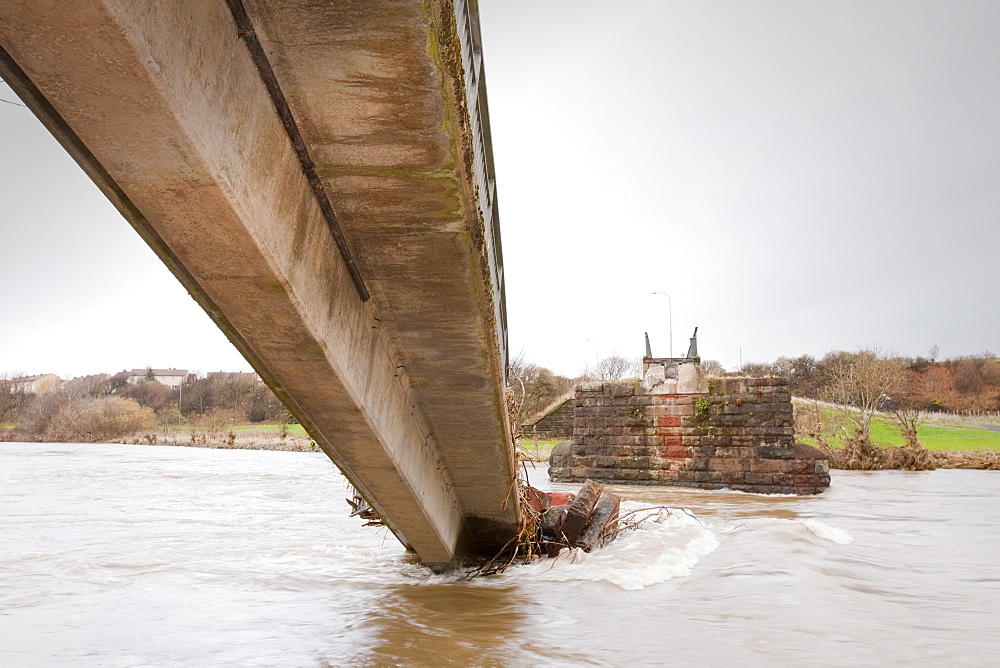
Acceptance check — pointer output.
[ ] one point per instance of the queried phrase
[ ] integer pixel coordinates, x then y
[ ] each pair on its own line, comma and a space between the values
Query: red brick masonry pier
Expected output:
738, 435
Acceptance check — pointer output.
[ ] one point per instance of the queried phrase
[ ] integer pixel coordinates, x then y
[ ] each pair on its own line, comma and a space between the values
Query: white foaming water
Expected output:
666, 546
812, 526
835, 534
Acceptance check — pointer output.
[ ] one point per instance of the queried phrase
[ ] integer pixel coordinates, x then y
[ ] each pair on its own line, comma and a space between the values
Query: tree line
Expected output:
966, 383
103, 407
905, 383
537, 388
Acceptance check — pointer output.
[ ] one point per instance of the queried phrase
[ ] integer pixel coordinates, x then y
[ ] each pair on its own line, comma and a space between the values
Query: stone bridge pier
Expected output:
727, 433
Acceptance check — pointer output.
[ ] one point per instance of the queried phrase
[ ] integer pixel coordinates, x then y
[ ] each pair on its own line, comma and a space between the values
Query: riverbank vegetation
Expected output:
868, 389
844, 401
938, 431
969, 385
224, 409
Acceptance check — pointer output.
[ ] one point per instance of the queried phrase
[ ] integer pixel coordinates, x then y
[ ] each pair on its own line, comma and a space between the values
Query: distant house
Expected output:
40, 384
170, 377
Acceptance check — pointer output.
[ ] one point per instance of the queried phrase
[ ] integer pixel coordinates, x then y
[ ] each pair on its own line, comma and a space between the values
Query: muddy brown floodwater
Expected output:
142, 555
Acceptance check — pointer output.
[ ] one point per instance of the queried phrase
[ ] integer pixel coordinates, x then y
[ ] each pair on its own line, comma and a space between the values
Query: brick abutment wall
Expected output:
557, 423
738, 435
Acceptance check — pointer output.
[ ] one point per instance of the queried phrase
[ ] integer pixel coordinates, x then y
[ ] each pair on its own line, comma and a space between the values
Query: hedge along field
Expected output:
885, 431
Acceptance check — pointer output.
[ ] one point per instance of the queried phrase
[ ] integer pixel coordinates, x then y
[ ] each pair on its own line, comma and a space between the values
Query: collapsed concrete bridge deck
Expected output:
318, 176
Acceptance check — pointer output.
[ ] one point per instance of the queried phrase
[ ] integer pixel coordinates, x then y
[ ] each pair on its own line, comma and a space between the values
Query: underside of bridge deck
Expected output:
318, 176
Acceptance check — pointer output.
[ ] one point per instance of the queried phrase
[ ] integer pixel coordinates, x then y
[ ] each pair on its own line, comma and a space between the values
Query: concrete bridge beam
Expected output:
166, 109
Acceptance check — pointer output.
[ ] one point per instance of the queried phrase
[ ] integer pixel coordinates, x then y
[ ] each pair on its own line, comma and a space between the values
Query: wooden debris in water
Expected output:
579, 513
550, 529
601, 528
586, 520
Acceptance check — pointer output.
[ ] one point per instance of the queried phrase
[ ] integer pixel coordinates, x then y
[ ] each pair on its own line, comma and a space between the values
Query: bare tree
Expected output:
234, 391
860, 384
906, 409
756, 369
863, 383
13, 397
37, 414
616, 367
88, 387
713, 368
153, 394
802, 376
265, 407
782, 367
197, 397
535, 386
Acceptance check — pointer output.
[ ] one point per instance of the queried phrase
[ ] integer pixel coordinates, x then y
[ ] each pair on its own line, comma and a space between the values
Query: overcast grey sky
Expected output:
798, 176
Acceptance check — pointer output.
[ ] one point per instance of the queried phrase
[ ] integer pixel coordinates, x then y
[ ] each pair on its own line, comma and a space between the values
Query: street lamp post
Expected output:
670, 314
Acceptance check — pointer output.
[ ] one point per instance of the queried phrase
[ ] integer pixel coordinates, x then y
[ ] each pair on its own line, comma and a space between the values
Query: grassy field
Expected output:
293, 429
958, 434
537, 450
952, 434
240, 429
884, 432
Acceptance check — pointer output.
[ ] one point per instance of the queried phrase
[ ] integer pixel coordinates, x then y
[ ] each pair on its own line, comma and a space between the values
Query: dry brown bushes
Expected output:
216, 421
99, 420
860, 454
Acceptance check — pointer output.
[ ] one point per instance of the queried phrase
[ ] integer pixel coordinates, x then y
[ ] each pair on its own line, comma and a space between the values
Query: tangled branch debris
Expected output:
860, 454
360, 508
553, 521
549, 522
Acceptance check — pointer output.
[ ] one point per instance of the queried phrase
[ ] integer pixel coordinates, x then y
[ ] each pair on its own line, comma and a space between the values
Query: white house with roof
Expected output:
40, 384
170, 377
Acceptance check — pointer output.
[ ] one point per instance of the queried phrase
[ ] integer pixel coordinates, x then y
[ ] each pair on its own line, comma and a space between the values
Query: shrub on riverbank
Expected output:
860, 454
909, 458
99, 420
81, 420
967, 459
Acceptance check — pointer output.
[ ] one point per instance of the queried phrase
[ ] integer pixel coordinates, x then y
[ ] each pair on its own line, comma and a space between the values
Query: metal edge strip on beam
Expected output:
246, 32
467, 26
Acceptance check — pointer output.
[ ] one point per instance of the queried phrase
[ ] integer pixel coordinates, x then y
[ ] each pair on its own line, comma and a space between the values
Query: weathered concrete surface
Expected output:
164, 107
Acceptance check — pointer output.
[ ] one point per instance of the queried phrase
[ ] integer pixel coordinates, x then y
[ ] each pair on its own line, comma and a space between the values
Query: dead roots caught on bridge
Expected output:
554, 521
550, 522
